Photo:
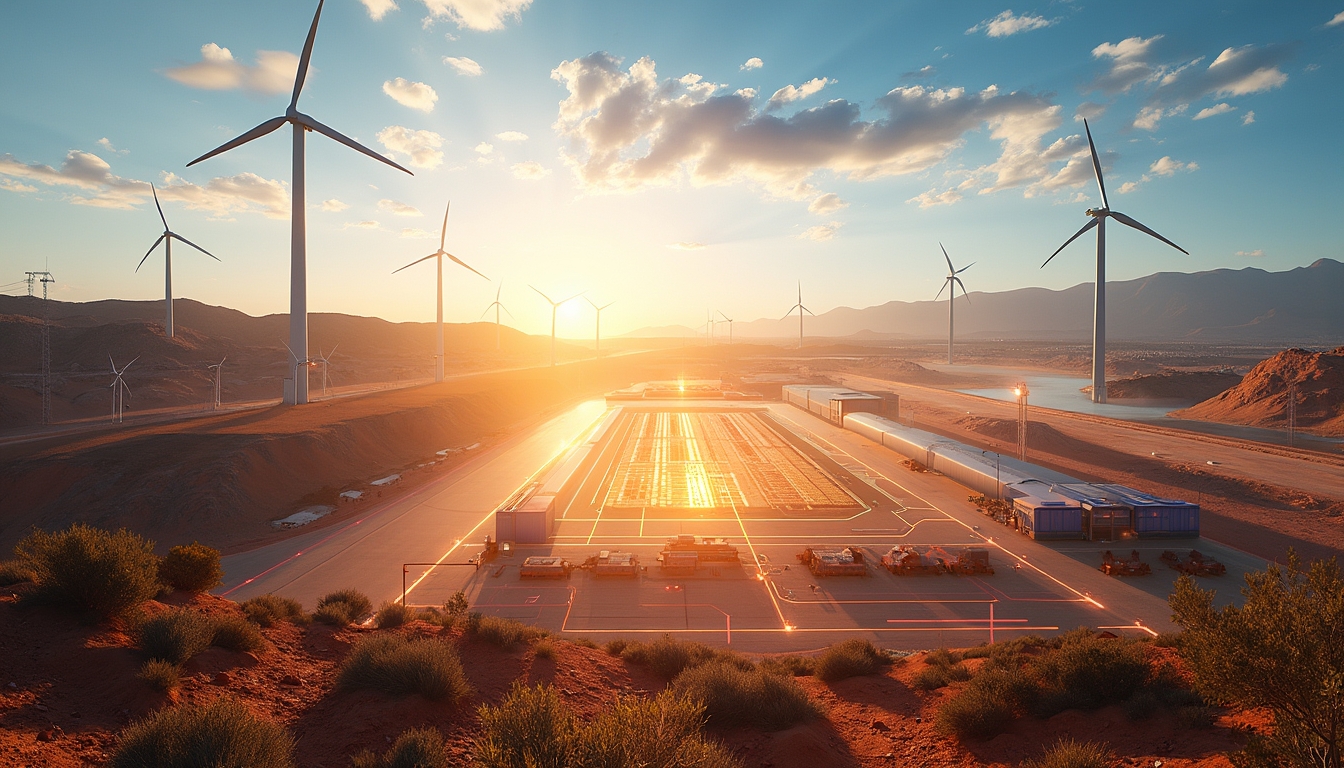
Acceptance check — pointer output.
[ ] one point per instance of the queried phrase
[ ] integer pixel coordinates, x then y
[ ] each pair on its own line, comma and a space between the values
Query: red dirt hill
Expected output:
1261, 398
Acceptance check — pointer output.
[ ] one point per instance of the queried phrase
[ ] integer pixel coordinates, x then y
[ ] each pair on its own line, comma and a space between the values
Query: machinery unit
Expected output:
1134, 566
834, 561
832, 403
545, 568
905, 560
968, 560
1197, 564
609, 563
706, 550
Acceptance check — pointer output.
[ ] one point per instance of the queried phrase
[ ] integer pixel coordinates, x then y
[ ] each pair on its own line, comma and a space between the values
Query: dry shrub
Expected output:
1087, 672
175, 636
393, 615
1072, 754
504, 633
14, 572
789, 666
400, 666
615, 647
544, 649
191, 568
221, 734
851, 658
235, 633
342, 607
732, 695
987, 705
269, 610
162, 676
416, 748
90, 569
668, 658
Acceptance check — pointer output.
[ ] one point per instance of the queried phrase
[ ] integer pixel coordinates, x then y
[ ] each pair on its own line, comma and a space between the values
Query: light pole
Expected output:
1021, 392
998, 485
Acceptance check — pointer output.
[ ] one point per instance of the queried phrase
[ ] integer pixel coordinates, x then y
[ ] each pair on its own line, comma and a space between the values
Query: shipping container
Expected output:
1155, 517
1044, 514
533, 520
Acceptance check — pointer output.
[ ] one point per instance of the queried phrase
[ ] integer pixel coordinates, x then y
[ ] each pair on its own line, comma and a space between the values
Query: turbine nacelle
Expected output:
1099, 213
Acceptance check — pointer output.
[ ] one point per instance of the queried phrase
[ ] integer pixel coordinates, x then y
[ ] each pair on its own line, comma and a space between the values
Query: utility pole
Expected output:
44, 278
1021, 392
1291, 413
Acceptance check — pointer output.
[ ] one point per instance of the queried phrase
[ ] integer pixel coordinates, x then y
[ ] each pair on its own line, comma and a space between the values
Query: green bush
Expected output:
269, 610
91, 569
342, 607
1168, 640
987, 704
789, 666
667, 658
1072, 754
852, 658
1088, 672
400, 666
615, 647
936, 676
175, 636
732, 695
456, 606
416, 748
532, 728
235, 633
14, 572
941, 658
504, 633
393, 615
221, 734
192, 568
163, 676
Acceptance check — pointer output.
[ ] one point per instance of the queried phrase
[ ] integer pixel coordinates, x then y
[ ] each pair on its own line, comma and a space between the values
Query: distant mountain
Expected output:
1298, 306
661, 332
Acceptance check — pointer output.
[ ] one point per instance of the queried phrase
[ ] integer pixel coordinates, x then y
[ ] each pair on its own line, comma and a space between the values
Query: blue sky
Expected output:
670, 156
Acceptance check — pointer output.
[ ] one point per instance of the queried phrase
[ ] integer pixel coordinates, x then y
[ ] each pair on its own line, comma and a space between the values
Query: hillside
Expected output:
1297, 306
1261, 398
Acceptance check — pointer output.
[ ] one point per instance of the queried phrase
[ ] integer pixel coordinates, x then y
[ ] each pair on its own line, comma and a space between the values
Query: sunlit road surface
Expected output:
1315, 474
424, 525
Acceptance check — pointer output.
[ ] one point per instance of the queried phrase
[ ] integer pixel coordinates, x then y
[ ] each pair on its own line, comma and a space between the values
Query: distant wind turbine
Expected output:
597, 343
218, 368
555, 305
167, 239
729, 321
709, 328
119, 388
298, 241
953, 281
1099, 216
325, 360
497, 305
801, 309
438, 256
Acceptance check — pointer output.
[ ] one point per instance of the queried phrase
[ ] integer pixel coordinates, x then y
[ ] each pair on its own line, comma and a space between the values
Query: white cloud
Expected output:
1336, 20
421, 146
1006, 24
379, 8
411, 94
464, 65
219, 71
1128, 186
628, 129
484, 149
1234, 72
511, 136
1248, 118
480, 15
10, 185
1129, 63
752, 63
1257, 253
827, 203
369, 224
686, 246
416, 234
530, 170
334, 206
821, 232
1165, 166
933, 199
1088, 110
1217, 109
1150, 116
106, 144
923, 73
225, 195
397, 208
791, 93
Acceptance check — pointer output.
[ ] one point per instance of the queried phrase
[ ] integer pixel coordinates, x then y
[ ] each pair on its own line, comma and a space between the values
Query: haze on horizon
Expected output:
671, 157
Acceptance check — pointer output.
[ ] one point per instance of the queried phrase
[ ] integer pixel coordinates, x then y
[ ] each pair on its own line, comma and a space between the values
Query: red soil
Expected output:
1261, 398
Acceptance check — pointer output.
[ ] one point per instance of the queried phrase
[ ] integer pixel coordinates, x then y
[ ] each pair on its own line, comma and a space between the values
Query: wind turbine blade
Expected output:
486, 312
151, 250
507, 312
162, 218
128, 365
222, 359
462, 263
810, 312
291, 353
963, 269
413, 263
591, 302
1076, 235
302, 74
1096, 164
571, 298
789, 314
940, 290
498, 288
604, 306
1127, 221
336, 135
725, 317
255, 133
443, 236
193, 245
950, 268
333, 351
544, 296
964, 294
111, 363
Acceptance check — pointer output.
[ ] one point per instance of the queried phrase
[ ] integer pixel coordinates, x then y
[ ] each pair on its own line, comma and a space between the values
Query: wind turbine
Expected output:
167, 239
709, 328
1099, 216
298, 241
729, 320
218, 368
119, 388
597, 344
438, 256
953, 281
555, 305
801, 309
325, 360
497, 305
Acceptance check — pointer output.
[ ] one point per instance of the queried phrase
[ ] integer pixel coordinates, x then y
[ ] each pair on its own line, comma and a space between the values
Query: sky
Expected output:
671, 157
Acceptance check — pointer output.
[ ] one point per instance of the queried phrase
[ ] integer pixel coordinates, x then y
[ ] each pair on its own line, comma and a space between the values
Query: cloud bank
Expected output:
219, 71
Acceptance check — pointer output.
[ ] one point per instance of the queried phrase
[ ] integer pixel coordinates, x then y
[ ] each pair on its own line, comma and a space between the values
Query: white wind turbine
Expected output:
555, 305
325, 360
298, 241
597, 343
497, 305
729, 321
709, 328
167, 239
1099, 216
953, 281
438, 257
119, 388
218, 368
801, 309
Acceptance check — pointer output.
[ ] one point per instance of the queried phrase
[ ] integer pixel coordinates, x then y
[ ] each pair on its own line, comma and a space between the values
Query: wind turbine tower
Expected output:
218, 368
555, 306
298, 240
597, 341
167, 239
438, 256
801, 309
1098, 220
325, 360
729, 321
119, 388
497, 305
953, 281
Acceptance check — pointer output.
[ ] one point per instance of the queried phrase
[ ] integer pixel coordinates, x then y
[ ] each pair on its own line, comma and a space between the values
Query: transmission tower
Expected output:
44, 278
1291, 413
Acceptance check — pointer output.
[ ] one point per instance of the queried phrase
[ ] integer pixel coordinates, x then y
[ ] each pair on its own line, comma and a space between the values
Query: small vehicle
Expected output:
1134, 566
